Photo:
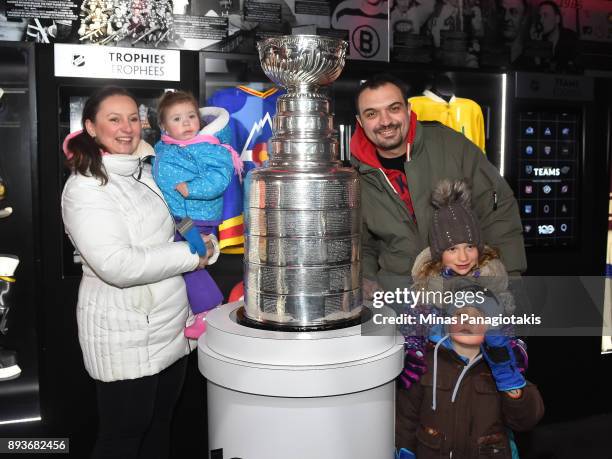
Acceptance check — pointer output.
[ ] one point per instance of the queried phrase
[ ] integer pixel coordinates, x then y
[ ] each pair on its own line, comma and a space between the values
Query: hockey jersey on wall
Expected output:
462, 115
251, 113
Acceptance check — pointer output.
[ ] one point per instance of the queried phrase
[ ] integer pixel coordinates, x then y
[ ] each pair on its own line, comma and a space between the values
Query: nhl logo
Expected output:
78, 60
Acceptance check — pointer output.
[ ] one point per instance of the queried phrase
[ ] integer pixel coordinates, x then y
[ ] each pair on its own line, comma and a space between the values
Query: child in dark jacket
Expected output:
473, 391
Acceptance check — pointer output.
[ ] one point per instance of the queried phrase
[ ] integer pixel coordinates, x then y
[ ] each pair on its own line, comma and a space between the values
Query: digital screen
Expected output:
548, 177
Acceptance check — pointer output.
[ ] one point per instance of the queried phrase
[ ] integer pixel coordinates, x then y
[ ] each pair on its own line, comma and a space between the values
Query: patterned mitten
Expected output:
414, 361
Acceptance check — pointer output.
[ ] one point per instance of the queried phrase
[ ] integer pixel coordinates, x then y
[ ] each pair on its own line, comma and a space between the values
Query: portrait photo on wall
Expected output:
445, 32
537, 35
250, 21
561, 36
254, 20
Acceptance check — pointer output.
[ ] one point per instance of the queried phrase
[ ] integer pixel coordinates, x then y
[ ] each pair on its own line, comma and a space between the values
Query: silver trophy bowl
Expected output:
296, 61
302, 260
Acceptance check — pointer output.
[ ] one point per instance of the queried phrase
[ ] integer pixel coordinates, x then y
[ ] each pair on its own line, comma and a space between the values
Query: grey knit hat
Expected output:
453, 221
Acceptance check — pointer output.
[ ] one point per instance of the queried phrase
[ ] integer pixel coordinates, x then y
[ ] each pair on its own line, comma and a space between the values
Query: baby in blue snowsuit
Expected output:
193, 167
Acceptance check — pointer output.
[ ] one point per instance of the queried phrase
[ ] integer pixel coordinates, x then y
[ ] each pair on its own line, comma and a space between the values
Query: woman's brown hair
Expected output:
86, 158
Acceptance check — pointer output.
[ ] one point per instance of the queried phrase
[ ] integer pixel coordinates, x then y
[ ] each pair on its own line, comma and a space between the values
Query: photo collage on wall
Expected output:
543, 35
177, 24
521, 34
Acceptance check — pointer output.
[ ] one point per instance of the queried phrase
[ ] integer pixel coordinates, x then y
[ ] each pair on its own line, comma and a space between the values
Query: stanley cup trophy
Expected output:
289, 373
302, 213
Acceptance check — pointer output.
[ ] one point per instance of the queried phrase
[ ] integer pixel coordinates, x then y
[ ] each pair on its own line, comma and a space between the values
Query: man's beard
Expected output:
395, 143
390, 147
509, 31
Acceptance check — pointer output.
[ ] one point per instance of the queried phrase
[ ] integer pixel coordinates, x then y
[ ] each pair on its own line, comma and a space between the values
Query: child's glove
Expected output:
498, 353
191, 234
404, 453
414, 361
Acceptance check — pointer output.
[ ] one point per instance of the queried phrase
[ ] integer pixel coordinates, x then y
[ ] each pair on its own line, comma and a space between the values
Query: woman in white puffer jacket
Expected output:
132, 305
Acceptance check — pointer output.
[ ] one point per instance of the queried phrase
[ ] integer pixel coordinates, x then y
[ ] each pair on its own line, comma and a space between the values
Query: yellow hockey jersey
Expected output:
462, 115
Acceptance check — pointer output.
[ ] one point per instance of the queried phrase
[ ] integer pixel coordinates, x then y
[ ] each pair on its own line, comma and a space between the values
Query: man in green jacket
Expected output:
400, 161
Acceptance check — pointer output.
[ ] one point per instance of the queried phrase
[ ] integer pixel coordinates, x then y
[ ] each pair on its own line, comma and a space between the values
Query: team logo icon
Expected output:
366, 41
78, 60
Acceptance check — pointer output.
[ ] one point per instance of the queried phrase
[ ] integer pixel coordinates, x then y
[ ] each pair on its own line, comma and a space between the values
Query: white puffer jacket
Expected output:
132, 304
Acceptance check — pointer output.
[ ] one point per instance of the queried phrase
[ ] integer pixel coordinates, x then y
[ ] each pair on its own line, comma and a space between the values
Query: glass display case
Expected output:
19, 226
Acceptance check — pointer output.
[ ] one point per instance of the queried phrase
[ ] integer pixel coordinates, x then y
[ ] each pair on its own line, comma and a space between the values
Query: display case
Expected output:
558, 130
20, 226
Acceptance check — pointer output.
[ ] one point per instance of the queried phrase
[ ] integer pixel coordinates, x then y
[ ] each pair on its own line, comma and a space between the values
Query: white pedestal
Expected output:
279, 395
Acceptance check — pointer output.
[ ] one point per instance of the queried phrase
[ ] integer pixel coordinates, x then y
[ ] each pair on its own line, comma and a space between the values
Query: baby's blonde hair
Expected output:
170, 98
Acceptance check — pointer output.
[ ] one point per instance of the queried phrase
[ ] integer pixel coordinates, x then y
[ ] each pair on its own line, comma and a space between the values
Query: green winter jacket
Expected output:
391, 240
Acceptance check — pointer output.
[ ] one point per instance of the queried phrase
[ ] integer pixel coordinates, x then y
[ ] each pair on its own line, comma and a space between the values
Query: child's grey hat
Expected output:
453, 220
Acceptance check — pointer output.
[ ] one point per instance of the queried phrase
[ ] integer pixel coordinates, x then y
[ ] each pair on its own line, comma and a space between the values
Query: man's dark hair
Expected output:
555, 8
379, 80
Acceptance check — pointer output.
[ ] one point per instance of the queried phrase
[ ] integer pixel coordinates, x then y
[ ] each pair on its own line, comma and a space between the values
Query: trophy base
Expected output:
242, 319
